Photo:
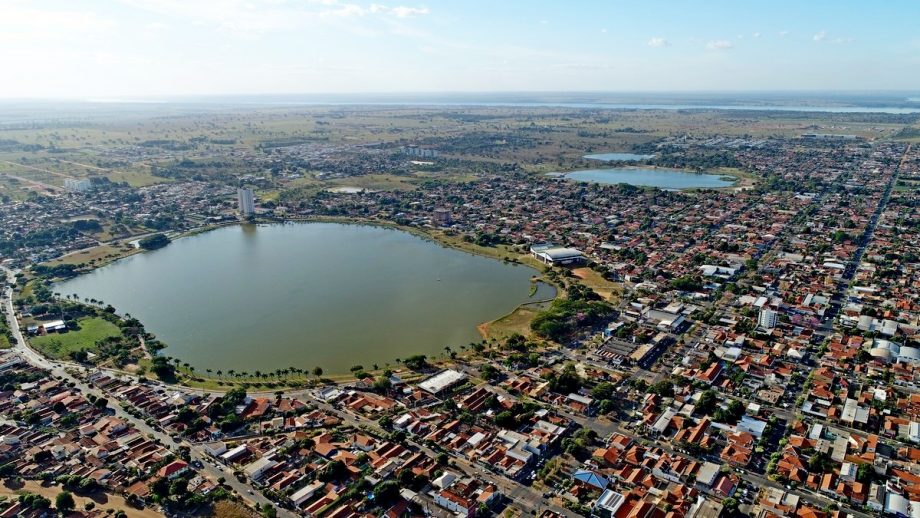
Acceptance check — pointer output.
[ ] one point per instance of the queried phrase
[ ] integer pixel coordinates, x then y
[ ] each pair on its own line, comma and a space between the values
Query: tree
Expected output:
382, 384
865, 473
707, 402
162, 367
489, 372
154, 241
416, 362
819, 462
730, 506
506, 420
335, 470
603, 390
64, 502
566, 382
317, 371
386, 492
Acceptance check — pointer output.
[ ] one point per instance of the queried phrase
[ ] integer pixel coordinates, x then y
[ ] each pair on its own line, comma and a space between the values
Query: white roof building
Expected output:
442, 380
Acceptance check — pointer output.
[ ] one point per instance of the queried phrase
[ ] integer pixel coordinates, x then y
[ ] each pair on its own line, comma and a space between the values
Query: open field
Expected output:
227, 509
608, 290
100, 500
516, 322
96, 256
131, 147
60, 345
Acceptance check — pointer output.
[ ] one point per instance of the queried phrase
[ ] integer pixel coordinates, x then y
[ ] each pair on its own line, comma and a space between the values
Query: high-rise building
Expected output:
767, 319
245, 201
442, 216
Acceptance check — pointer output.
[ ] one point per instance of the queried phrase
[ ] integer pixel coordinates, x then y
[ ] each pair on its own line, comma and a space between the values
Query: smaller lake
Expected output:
617, 157
646, 177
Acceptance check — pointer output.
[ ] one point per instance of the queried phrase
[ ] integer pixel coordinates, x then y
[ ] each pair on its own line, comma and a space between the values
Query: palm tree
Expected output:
231, 372
208, 371
219, 373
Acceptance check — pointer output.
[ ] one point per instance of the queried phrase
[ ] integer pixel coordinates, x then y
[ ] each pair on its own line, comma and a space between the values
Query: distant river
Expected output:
646, 177
305, 295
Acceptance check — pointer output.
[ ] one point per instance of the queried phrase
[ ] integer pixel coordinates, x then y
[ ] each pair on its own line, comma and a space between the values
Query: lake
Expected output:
308, 294
647, 177
618, 157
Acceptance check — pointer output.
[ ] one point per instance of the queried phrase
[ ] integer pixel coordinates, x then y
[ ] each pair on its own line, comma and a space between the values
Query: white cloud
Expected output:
40, 24
755, 35
400, 11
719, 45
820, 36
659, 42
260, 16
783, 33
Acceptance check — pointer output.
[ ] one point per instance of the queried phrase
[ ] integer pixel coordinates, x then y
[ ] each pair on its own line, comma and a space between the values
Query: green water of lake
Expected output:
303, 295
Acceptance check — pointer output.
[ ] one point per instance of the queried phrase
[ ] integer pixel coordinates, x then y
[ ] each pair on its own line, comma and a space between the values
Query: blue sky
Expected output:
139, 48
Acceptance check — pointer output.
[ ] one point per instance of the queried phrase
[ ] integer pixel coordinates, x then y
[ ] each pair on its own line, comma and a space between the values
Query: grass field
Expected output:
61, 345
96, 256
5, 342
518, 321
590, 278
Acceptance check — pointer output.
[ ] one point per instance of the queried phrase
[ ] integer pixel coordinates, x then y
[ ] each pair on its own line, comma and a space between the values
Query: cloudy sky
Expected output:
150, 48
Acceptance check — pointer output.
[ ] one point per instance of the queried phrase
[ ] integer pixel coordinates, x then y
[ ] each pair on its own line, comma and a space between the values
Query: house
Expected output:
305, 493
591, 478
216, 449
173, 470
258, 468
706, 475
610, 501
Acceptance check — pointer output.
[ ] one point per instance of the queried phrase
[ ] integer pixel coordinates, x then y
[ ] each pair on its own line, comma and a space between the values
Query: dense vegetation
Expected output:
153, 242
565, 316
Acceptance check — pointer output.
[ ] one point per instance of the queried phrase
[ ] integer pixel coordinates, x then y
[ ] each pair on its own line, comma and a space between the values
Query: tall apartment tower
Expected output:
245, 201
767, 318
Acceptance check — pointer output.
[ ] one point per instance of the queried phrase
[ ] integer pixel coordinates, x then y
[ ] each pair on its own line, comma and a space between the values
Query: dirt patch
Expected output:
100, 499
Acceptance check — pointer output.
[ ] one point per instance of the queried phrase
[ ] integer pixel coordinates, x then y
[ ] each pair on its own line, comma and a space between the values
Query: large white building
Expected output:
557, 255
77, 184
245, 201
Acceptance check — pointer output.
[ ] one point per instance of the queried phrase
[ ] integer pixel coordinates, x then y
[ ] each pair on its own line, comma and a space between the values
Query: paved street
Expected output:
58, 369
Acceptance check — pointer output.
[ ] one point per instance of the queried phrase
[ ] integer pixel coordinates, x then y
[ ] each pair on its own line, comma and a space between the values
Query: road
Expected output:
197, 452
39, 169
35, 183
526, 498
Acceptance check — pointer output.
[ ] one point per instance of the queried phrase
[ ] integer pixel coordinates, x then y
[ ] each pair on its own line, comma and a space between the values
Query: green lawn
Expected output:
4, 329
60, 345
